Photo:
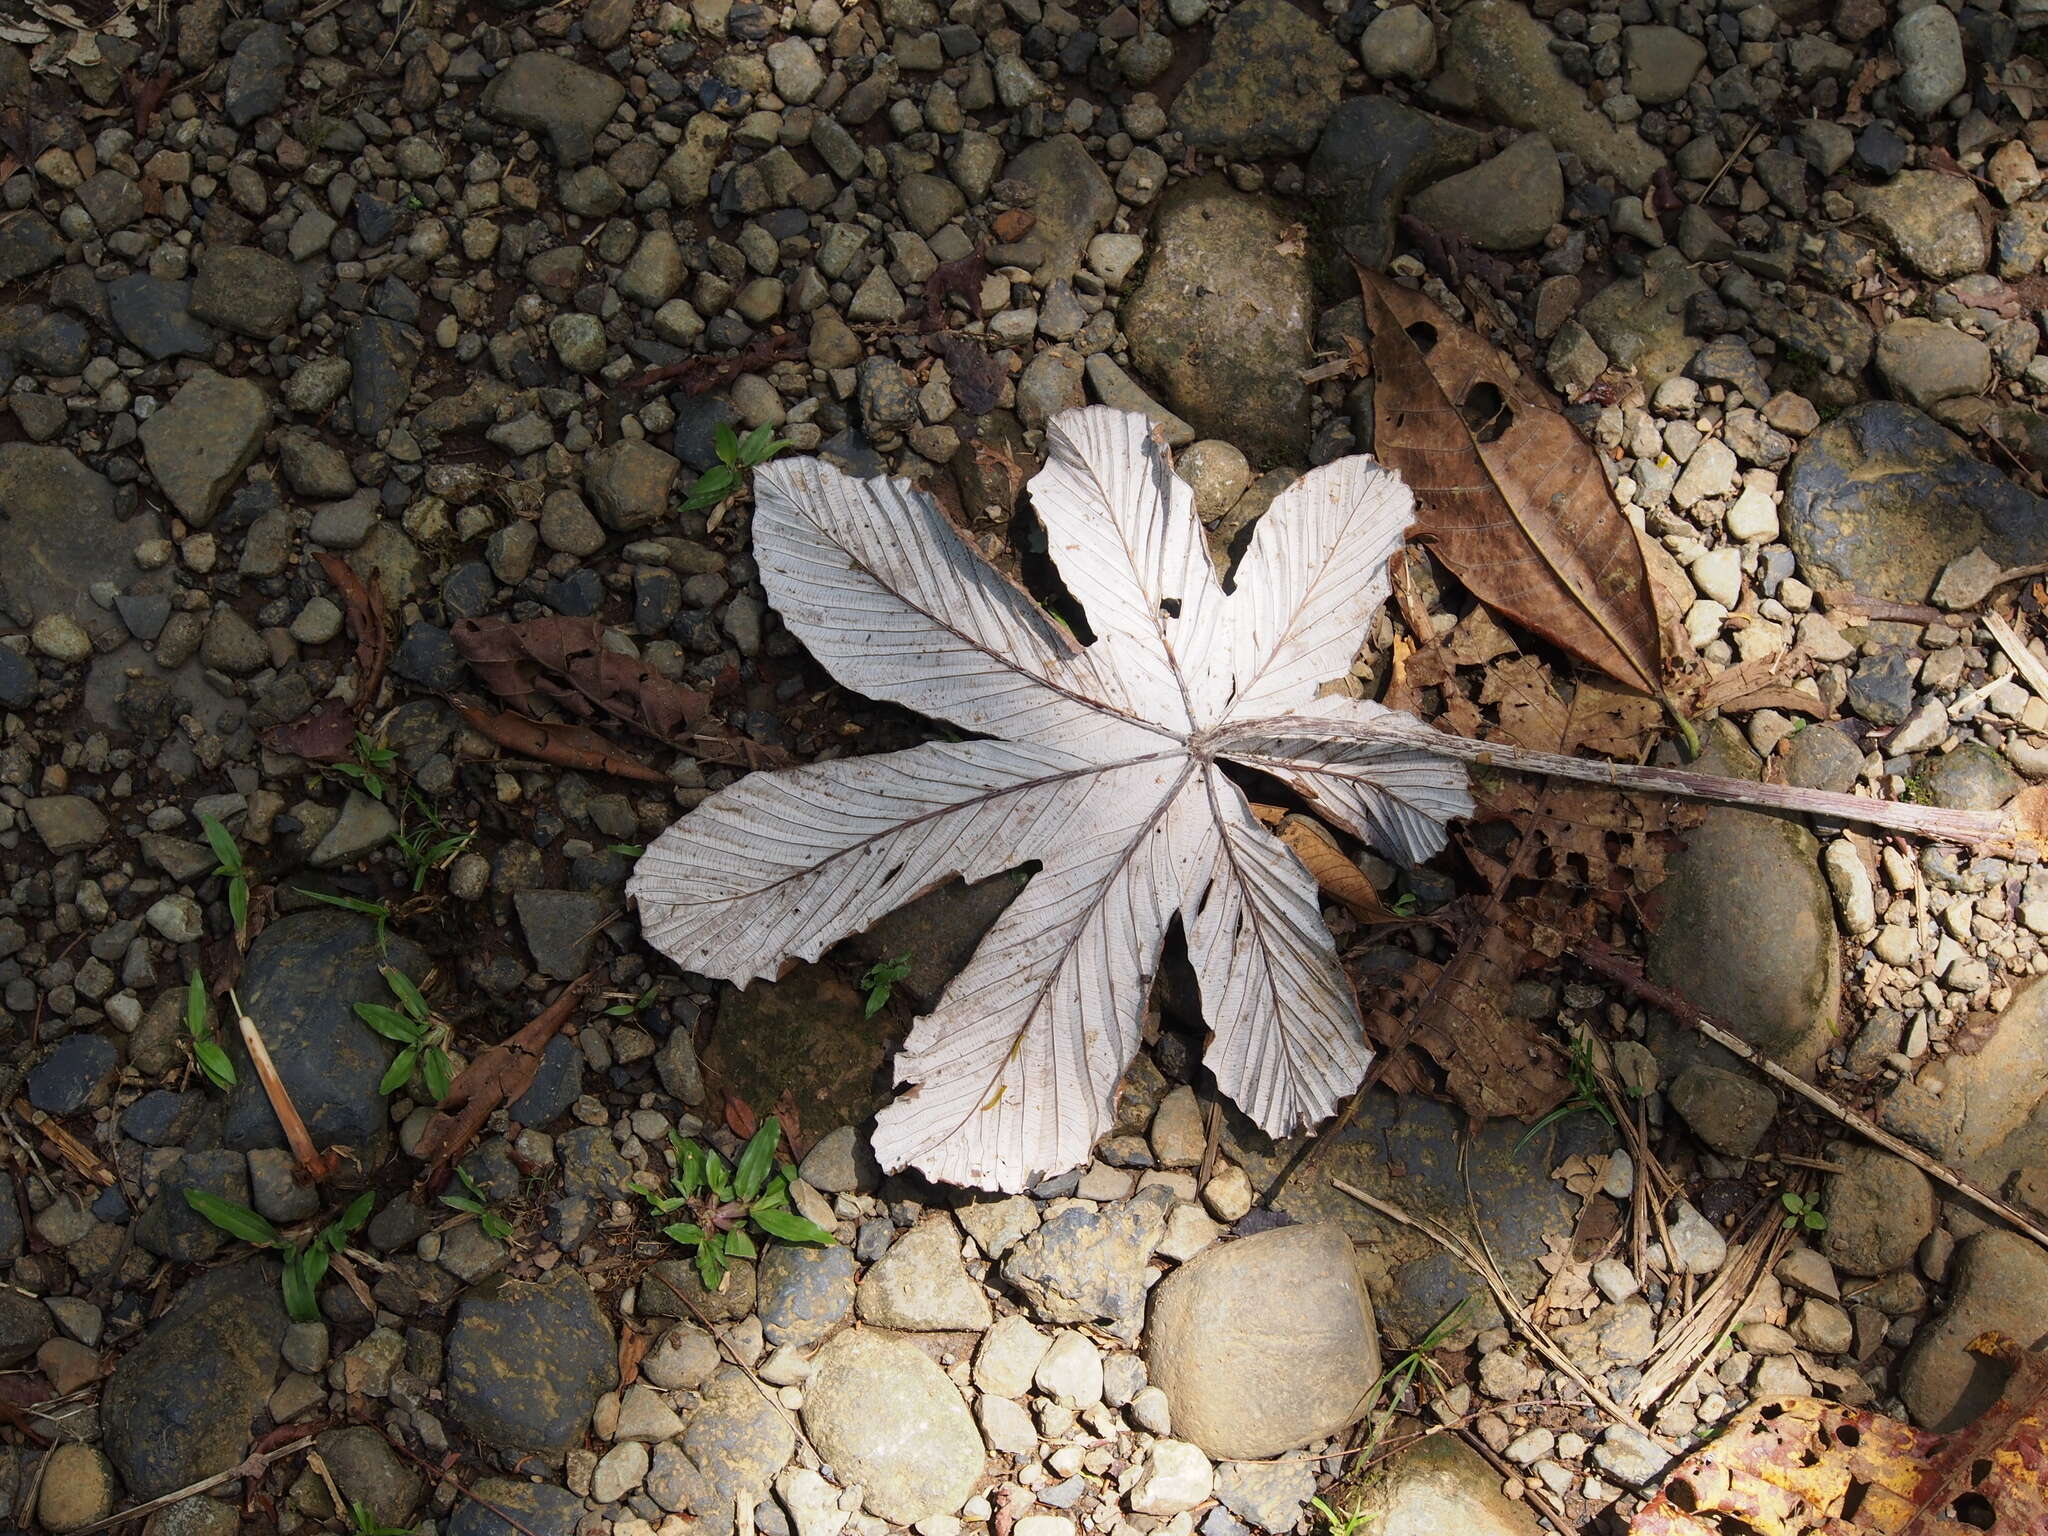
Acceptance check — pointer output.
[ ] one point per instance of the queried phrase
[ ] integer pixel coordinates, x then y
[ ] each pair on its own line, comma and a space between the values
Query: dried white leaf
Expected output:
1106, 769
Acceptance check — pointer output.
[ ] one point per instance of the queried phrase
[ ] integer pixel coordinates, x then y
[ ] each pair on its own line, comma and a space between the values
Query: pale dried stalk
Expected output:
1969, 827
2024, 661
252, 1466
1688, 1349
312, 1162
1607, 963
1511, 1308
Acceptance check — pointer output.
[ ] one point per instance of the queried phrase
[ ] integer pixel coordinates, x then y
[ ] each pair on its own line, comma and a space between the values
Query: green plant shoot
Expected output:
230, 863
736, 455
213, 1061
305, 1262
422, 1038
879, 982
716, 1203
474, 1204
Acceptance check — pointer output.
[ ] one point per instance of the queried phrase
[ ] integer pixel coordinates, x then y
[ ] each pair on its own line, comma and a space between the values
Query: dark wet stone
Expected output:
673, 1288
1971, 778
805, 1034
1373, 154
28, 243
170, 1228
1071, 198
1271, 81
246, 290
304, 976
17, 679
566, 101
540, 1509
427, 656
59, 533
698, 418
1879, 149
560, 927
1881, 687
145, 613
164, 1118
1882, 498
528, 1361
592, 1166
939, 932
382, 355
577, 595
468, 591
75, 1073
167, 1421
259, 75
556, 1083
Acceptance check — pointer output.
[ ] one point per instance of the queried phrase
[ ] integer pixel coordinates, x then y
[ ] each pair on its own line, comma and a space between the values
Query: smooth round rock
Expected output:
884, 1415
527, 1361
1264, 1344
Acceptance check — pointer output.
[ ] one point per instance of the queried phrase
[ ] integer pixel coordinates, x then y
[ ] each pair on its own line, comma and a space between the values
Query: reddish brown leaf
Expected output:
739, 1115
961, 278
977, 379
1336, 875
700, 375
564, 661
566, 746
633, 1347
497, 1076
1509, 497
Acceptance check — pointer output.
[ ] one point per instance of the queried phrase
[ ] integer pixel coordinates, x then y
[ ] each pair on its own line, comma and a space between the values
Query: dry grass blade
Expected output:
313, 1163
2024, 661
1509, 496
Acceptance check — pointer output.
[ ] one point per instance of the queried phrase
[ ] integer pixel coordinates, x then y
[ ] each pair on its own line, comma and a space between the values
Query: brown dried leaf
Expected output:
564, 662
961, 278
1797, 1466
1339, 878
497, 1076
977, 378
325, 735
547, 741
1493, 1063
1513, 501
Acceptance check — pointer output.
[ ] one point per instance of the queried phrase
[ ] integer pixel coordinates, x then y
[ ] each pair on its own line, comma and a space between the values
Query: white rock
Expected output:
623, 1469
813, 1503
1754, 515
1718, 575
1177, 1478
1009, 1356
1615, 1280
1043, 1525
1924, 728
1850, 882
1005, 1425
1697, 1248
1071, 1372
1189, 1230
644, 1414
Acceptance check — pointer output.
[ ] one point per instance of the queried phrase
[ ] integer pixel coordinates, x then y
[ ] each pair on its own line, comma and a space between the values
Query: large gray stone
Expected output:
1071, 199
2000, 1281
1640, 321
1879, 1208
1373, 155
1438, 1487
806, 1034
179, 1405
2002, 1083
921, 1284
1934, 221
567, 101
1882, 498
1750, 885
884, 1415
1091, 1266
1499, 63
304, 976
1270, 83
536, 1509
1225, 316
199, 444
1264, 1344
1505, 204
806, 1290
527, 1361
59, 535
731, 1448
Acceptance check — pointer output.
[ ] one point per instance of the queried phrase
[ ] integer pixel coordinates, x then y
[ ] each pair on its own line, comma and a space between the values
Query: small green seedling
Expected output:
305, 1263
1586, 1097
426, 849
626, 850
369, 764
474, 1204
1407, 904
364, 1522
632, 1008
880, 981
423, 1038
376, 911
736, 455
719, 1202
225, 849
1800, 1212
213, 1061
1395, 1381
1347, 1522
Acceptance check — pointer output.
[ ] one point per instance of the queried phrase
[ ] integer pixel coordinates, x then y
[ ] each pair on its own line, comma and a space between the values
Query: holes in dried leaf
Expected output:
1975, 1511
1852, 1501
1486, 412
1423, 334
1170, 606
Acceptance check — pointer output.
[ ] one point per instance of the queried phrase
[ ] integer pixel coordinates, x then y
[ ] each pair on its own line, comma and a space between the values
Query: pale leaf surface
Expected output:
1106, 773
1311, 582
